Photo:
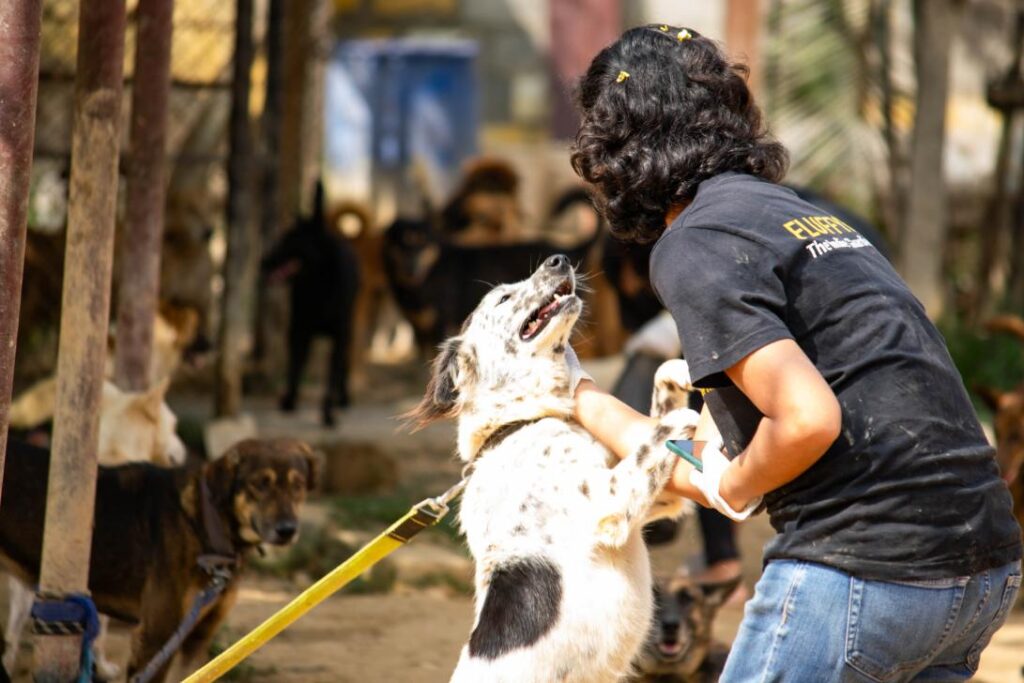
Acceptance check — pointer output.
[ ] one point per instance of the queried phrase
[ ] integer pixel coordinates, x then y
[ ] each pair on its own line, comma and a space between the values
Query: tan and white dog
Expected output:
552, 518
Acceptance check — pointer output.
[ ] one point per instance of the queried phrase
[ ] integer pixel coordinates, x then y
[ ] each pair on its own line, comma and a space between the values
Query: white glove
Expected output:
708, 481
658, 337
576, 372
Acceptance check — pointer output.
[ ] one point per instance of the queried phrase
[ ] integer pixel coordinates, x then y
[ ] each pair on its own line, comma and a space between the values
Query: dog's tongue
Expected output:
547, 310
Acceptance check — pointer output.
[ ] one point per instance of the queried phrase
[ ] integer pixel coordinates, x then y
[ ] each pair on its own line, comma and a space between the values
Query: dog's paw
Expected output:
682, 423
676, 372
106, 670
672, 387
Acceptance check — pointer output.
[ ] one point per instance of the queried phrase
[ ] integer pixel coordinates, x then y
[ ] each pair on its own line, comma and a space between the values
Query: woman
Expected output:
897, 556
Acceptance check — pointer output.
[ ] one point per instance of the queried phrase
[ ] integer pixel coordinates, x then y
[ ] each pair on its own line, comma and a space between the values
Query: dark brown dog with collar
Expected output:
157, 529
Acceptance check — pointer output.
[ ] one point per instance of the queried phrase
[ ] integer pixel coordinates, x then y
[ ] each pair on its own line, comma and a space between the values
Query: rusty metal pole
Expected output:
83, 325
19, 76
238, 266
146, 191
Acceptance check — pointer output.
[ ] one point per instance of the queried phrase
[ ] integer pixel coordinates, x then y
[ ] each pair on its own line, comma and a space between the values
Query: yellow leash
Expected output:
425, 514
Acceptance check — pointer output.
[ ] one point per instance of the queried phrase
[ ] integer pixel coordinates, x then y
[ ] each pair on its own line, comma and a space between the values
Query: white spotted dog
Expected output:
563, 583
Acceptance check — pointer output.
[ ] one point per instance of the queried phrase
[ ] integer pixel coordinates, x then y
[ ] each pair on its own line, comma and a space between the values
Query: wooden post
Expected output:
238, 265
295, 49
19, 76
83, 326
146, 189
743, 37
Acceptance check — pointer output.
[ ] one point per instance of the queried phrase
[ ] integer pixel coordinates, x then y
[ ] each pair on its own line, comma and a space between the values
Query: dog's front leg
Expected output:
161, 614
195, 651
624, 495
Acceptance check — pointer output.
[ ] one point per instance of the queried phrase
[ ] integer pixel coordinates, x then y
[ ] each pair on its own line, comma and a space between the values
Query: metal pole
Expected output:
19, 75
238, 270
83, 325
146, 190
269, 304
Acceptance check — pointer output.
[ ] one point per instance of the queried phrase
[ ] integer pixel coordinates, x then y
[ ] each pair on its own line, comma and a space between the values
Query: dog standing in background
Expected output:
323, 272
151, 526
552, 518
134, 427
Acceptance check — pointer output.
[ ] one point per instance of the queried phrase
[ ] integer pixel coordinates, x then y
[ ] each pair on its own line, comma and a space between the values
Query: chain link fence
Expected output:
201, 54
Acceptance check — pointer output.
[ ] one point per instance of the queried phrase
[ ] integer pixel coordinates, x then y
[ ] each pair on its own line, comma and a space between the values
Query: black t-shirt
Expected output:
910, 489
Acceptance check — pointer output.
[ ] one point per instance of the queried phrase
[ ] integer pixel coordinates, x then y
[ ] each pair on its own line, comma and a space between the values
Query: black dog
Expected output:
437, 284
324, 274
679, 648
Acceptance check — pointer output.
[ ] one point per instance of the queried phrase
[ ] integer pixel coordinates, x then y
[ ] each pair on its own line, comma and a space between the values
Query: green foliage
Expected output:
316, 553
243, 671
992, 360
376, 513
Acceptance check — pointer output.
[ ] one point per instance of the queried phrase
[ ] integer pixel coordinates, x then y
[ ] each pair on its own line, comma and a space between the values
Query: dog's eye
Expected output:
504, 299
262, 482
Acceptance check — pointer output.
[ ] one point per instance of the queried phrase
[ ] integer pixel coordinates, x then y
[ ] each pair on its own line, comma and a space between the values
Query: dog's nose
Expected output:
557, 262
286, 530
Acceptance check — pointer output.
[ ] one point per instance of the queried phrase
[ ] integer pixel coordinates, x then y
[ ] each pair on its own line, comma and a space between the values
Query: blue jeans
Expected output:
809, 623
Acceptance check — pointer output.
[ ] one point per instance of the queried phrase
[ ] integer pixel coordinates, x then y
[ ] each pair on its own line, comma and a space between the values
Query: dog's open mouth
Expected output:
540, 318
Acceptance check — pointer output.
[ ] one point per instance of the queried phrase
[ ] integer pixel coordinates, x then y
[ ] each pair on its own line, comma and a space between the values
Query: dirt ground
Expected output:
413, 635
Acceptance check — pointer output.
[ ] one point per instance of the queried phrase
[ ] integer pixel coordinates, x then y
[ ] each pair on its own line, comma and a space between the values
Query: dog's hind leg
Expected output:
21, 598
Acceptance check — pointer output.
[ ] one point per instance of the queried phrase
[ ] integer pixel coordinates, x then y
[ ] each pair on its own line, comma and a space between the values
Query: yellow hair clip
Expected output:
623, 75
683, 35
664, 27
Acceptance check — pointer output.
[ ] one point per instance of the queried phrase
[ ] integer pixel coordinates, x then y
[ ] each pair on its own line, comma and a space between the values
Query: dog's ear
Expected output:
314, 466
222, 473
990, 396
715, 594
151, 400
449, 375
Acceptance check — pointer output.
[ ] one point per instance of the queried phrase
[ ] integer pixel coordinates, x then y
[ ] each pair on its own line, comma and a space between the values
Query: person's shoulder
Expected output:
738, 200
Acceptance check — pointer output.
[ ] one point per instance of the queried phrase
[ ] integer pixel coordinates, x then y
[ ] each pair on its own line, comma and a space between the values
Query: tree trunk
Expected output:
925, 227
19, 78
85, 313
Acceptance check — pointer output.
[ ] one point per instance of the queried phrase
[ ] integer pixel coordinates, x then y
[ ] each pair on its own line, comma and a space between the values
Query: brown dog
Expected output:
679, 647
152, 525
1008, 420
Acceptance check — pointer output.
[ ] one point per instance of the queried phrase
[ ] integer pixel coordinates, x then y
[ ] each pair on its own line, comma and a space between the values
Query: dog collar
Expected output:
502, 433
218, 551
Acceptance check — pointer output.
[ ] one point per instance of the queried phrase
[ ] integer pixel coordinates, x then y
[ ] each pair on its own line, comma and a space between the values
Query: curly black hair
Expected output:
663, 109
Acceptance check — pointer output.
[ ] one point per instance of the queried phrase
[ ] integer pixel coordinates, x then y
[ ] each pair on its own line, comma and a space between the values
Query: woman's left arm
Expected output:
802, 418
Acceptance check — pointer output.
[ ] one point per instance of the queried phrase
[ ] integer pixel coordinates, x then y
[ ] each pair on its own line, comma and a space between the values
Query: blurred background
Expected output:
428, 140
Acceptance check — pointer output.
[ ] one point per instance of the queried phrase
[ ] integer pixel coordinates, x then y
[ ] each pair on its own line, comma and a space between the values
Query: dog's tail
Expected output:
1009, 324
